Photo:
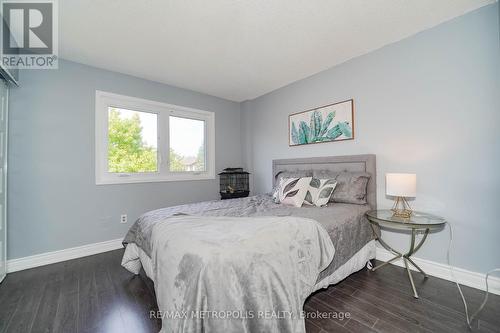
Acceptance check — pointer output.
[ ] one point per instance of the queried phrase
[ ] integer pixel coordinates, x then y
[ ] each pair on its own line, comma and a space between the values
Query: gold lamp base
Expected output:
401, 208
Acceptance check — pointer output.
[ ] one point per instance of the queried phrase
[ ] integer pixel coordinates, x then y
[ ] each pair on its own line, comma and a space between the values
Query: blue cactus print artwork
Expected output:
329, 123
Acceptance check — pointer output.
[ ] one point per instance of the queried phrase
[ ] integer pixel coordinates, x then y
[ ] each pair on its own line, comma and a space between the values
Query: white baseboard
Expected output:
464, 277
47, 258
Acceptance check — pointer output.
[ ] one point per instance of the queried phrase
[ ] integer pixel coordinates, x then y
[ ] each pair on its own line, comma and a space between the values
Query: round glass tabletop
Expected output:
417, 220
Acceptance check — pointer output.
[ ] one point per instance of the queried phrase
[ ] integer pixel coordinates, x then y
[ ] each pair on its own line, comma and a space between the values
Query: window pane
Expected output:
132, 141
187, 144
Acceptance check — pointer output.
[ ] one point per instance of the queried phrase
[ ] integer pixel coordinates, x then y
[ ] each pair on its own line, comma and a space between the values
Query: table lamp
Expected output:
401, 186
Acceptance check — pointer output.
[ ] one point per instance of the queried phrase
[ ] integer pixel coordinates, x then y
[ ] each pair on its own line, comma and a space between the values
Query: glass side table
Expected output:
418, 223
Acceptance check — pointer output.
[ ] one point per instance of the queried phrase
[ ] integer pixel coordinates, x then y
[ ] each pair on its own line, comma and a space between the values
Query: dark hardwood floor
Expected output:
95, 294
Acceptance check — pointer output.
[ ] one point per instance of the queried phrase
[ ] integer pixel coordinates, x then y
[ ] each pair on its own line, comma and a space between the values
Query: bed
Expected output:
334, 241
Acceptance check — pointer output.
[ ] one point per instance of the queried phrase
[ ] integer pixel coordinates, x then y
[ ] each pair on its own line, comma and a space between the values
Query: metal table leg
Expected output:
415, 294
414, 249
385, 263
388, 248
416, 266
406, 257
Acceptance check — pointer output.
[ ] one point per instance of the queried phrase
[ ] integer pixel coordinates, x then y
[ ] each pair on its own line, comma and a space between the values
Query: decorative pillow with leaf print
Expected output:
292, 191
319, 192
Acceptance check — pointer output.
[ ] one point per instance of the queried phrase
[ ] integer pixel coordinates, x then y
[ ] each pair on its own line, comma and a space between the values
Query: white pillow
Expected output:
292, 191
319, 192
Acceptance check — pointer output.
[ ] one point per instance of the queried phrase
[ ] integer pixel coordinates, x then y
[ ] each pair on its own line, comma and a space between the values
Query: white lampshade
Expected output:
401, 184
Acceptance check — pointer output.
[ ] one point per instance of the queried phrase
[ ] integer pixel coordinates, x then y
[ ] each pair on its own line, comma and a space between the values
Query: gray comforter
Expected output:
345, 223
206, 263
227, 274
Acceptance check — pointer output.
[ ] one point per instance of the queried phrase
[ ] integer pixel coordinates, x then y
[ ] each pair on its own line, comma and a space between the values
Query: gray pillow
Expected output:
292, 174
351, 186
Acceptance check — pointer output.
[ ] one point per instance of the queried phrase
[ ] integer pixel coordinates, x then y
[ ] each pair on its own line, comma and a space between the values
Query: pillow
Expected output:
292, 191
288, 174
351, 186
319, 192
292, 174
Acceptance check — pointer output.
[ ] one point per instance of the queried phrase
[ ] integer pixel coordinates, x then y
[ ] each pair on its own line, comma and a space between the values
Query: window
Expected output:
144, 141
187, 136
132, 141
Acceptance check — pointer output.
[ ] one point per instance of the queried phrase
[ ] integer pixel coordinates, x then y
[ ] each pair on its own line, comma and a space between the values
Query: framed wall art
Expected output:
333, 122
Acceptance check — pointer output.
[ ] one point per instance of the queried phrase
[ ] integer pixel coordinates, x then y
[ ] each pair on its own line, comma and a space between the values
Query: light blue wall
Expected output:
53, 200
428, 104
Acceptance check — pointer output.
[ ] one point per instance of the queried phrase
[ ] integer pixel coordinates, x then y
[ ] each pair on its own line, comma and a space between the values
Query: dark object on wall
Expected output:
234, 183
9, 75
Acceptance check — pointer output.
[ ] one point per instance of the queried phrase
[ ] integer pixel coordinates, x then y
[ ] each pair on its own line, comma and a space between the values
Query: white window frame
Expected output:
104, 100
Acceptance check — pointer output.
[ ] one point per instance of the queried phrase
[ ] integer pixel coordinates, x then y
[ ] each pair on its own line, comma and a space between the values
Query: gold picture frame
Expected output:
328, 123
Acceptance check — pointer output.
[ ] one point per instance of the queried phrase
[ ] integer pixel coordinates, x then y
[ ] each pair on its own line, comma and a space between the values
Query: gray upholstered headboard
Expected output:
366, 163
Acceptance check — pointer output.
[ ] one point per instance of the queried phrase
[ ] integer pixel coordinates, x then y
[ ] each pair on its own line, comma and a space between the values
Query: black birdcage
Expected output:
234, 183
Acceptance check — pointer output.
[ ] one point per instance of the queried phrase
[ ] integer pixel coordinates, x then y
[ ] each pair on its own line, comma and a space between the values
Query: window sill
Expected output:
135, 180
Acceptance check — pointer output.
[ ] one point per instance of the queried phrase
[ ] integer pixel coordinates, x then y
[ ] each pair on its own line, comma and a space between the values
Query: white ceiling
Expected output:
238, 49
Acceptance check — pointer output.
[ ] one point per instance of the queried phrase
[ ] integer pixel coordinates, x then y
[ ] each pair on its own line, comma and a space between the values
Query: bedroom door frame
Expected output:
4, 113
